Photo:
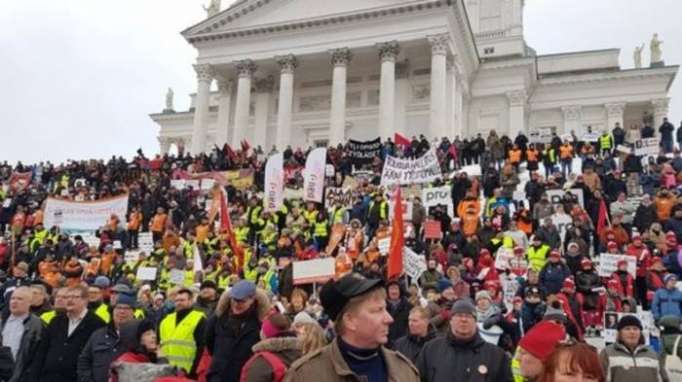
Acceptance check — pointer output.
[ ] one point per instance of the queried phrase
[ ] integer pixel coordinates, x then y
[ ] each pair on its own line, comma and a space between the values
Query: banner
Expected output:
647, 146
313, 271
431, 197
562, 222
334, 194
274, 183
83, 216
540, 135
407, 171
608, 263
555, 196
313, 175
432, 229
362, 153
18, 181
413, 264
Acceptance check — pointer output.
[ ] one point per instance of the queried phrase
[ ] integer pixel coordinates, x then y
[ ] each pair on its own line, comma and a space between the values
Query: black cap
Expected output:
208, 284
335, 294
628, 320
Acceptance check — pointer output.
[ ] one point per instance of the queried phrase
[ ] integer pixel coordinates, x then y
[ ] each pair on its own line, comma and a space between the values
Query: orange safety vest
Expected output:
532, 155
515, 156
566, 152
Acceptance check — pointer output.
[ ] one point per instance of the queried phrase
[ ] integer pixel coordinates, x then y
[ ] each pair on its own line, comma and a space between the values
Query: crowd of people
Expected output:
78, 311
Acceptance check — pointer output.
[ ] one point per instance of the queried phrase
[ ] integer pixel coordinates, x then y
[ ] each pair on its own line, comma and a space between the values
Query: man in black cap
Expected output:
462, 354
357, 306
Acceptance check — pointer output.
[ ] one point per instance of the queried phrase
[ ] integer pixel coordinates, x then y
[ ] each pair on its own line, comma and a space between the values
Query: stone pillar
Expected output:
224, 104
660, 112
164, 145
517, 112
200, 125
439, 50
614, 114
458, 131
337, 126
573, 119
264, 88
287, 65
402, 91
245, 69
451, 97
388, 52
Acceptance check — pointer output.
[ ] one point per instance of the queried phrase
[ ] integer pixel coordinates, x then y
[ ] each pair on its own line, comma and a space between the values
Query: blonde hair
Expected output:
353, 304
311, 338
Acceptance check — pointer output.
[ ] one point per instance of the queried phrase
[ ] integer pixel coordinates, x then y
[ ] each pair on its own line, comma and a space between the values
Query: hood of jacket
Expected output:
262, 304
277, 345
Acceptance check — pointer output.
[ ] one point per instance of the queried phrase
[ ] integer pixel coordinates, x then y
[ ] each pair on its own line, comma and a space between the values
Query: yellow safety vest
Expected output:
321, 229
48, 316
242, 234
538, 257
139, 314
223, 282
605, 142
310, 216
102, 312
189, 279
516, 367
177, 340
338, 215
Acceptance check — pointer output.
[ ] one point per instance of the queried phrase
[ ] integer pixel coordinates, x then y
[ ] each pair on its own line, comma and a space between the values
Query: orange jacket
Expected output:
134, 221
49, 272
515, 156
566, 151
664, 207
469, 210
158, 223
532, 155
202, 232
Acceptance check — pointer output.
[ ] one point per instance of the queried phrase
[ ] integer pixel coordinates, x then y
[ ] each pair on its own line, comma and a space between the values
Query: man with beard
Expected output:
181, 333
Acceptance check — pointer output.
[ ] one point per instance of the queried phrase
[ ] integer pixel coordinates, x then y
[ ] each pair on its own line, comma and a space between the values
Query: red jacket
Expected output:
566, 305
643, 257
626, 284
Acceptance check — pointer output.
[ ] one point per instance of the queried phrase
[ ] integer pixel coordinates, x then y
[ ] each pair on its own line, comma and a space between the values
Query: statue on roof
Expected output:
656, 52
638, 56
212, 9
169, 100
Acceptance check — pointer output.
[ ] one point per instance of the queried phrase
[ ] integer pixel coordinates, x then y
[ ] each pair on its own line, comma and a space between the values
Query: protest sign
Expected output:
293, 193
313, 271
146, 273
555, 196
434, 196
383, 245
647, 146
274, 183
623, 149
413, 264
131, 257
608, 263
178, 184
363, 176
313, 175
18, 181
177, 277
329, 171
407, 210
407, 171
562, 222
193, 184
239, 179
334, 194
207, 184
590, 137
362, 153
510, 286
83, 216
471, 170
540, 135
432, 230
145, 242
503, 258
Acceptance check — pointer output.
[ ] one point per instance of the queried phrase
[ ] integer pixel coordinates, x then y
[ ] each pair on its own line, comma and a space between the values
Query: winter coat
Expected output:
410, 346
287, 349
231, 348
447, 359
552, 276
622, 365
57, 355
33, 332
667, 302
400, 313
138, 367
6, 363
532, 314
104, 346
585, 282
328, 365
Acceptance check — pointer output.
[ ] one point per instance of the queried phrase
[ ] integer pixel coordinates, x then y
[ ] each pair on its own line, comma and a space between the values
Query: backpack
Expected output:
277, 365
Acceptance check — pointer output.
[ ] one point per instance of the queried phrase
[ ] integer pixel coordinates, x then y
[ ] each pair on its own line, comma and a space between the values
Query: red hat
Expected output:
585, 263
613, 283
612, 245
568, 283
656, 260
517, 299
518, 249
621, 262
555, 253
542, 339
484, 252
670, 235
491, 284
636, 238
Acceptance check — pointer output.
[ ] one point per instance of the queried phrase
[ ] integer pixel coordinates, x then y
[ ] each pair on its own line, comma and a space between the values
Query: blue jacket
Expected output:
667, 302
552, 277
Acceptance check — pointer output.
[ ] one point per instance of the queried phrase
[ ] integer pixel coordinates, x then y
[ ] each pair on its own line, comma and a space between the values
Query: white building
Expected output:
312, 72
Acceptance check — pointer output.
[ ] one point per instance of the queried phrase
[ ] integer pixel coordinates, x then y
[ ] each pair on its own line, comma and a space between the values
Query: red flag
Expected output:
226, 226
400, 140
395, 250
603, 218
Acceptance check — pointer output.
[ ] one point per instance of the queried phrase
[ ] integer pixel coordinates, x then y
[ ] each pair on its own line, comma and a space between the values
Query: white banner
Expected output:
146, 273
608, 263
434, 196
562, 222
540, 135
83, 216
313, 271
413, 263
313, 175
274, 183
408, 171
555, 196
647, 146
146, 242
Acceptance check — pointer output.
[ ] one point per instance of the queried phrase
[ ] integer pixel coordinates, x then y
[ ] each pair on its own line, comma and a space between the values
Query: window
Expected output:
490, 50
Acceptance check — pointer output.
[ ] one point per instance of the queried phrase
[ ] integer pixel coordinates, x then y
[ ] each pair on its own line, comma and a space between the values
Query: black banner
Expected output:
362, 153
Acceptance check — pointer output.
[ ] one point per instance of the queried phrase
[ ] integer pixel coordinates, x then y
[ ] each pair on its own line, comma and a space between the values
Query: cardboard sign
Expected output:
608, 263
409, 171
503, 258
146, 242
131, 257
178, 184
313, 271
413, 264
435, 196
330, 171
334, 194
562, 222
432, 230
177, 277
555, 196
540, 135
384, 245
146, 273
647, 146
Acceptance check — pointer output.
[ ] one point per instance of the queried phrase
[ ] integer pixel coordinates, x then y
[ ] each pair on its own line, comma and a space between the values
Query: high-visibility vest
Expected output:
177, 340
48, 316
242, 234
532, 155
139, 314
223, 281
338, 215
515, 156
538, 257
566, 152
310, 216
189, 279
321, 229
516, 368
102, 312
254, 214
605, 142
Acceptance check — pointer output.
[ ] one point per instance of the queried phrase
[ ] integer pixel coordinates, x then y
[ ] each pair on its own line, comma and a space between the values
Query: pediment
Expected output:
247, 14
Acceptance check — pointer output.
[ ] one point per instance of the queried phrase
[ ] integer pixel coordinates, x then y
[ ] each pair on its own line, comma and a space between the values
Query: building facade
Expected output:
318, 72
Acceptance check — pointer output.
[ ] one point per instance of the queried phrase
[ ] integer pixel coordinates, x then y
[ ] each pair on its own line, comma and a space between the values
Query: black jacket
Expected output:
58, 353
410, 346
33, 332
104, 346
400, 313
6, 363
445, 359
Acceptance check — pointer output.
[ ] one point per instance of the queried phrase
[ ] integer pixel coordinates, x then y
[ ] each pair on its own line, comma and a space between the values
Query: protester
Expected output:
182, 332
576, 362
535, 348
420, 332
278, 349
22, 332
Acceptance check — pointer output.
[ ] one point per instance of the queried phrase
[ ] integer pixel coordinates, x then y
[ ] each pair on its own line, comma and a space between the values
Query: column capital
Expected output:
517, 97
615, 110
388, 51
572, 113
341, 56
204, 72
440, 44
225, 85
265, 85
245, 68
287, 63
661, 105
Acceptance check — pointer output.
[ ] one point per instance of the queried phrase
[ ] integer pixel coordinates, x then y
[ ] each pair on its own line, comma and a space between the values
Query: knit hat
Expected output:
274, 325
668, 277
542, 339
585, 263
303, 318
568, 284
463, 306
444, 284
126, 299
629, 320
483, 294
101, 282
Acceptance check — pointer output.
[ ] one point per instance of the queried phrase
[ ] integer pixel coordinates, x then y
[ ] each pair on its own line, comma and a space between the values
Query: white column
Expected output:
402, 93
200, 125
287, 65
224, 104
573, 119
660, 112
388, 52
458, 131
164, 145
264, 88
439, 50
337, 126
245, 69
517, 112
451, 103
614, 114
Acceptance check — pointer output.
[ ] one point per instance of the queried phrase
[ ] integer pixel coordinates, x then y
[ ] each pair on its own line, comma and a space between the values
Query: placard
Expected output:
608, 263
146, 273
334, 194
313, 271
83, 216
408, 171
647, 146
207, 184
432, 230
177, 277
503, 258
145, 242
555, 196
435, 196
193, 183
540, 135
362, 153
562, 222
178, 184
384, 245
131, 257
413, 264
329, 171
